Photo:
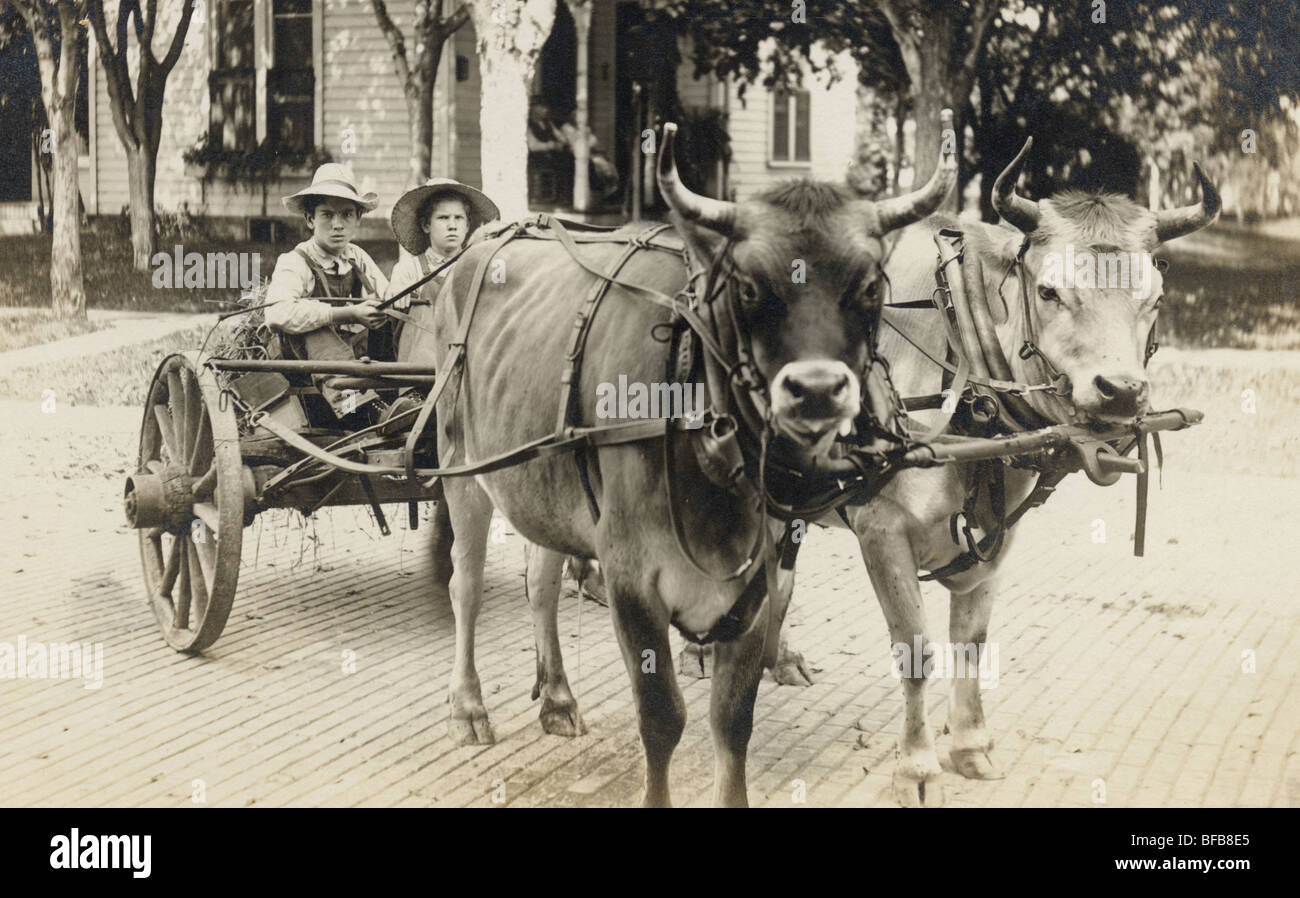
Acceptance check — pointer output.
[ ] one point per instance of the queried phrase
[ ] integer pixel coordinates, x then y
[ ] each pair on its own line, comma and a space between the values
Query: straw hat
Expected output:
335, 180
406, 211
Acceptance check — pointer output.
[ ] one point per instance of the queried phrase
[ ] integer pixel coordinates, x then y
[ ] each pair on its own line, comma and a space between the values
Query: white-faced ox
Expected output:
1092, 330
809, 343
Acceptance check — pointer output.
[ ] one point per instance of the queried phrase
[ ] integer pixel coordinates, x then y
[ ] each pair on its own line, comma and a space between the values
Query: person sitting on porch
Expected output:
330, 266
550, 161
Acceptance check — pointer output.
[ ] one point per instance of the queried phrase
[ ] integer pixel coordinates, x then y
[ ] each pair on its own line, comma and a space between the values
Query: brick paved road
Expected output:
1125, 670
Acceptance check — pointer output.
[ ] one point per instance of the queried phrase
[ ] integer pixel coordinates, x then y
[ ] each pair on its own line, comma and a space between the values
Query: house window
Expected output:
285, 112
232, 84
291, 82
790, 133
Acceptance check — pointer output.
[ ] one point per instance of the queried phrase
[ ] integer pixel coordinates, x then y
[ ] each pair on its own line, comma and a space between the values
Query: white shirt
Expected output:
293, 282
407, 271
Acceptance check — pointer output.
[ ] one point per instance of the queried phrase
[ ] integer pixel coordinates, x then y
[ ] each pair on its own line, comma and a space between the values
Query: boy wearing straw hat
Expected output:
431, 222
328, 265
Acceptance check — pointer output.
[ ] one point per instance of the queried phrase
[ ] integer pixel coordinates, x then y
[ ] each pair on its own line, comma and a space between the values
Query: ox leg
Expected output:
891, 564
471, 517
738, 666
968, 625
441, 550
787, 664
559, 708
660, 708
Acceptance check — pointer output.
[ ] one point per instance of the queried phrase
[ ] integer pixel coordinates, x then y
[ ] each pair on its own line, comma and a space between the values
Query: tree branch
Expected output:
905, 38
456, 20
118, 77
150, 23
982, 13
178, 42
395, 40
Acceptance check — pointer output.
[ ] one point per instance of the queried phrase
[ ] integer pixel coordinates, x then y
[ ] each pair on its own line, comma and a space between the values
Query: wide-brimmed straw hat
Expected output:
406, 211
333, 180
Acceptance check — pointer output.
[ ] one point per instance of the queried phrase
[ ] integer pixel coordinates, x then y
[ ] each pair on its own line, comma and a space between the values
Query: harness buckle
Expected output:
1028, 350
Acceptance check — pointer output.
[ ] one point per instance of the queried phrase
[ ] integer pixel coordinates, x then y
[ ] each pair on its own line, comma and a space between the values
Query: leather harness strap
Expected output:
569, 405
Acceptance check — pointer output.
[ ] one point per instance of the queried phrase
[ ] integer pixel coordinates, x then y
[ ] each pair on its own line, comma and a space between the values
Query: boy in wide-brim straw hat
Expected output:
329, 265
431, 222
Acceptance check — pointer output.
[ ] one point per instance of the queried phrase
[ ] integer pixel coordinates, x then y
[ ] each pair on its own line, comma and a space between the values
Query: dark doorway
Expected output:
557, 66
20, 90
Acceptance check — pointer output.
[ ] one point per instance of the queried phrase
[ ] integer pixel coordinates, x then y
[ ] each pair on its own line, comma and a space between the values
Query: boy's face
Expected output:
334, 223
447, 226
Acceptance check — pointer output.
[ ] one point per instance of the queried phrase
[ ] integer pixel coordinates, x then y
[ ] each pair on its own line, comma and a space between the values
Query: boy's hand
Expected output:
368, 313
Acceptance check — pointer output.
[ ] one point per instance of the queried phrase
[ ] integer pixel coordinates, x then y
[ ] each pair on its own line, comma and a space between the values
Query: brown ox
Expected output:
810, 343
1096, 335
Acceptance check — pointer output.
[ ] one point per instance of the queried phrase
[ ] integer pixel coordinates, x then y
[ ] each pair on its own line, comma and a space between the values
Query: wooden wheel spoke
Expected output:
181, 618
193, 411
201, 448
176, 406
207, 555
206, 484
171, 570
167, 432
208, 514
198, 583
154, 538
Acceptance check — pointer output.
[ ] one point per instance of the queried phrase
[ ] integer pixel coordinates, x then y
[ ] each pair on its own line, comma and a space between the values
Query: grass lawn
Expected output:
1232, 286
37, 326
120, 377
111, 282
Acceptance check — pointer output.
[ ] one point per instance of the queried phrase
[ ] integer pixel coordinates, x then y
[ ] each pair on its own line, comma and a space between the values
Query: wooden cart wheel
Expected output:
187, 499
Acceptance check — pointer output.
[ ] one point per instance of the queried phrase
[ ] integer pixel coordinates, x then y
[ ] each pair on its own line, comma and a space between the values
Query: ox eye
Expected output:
1048, 293
1162, 265
748, 291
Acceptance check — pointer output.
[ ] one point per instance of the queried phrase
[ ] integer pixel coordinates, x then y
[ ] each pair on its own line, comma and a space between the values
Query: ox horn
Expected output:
1177, 222
1010, 205
717, 215
898, 211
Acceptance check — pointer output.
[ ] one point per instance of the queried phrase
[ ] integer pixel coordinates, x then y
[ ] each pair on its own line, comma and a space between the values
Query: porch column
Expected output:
581, 10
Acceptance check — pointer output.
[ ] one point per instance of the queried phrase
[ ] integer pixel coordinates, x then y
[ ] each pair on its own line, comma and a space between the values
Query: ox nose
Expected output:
1122, 395
815, 390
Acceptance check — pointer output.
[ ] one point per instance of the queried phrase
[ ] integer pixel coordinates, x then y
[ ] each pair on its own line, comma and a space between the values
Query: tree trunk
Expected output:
419, 110
67, 290
140, 180
933, 92
582, 144
58, 96
509, 41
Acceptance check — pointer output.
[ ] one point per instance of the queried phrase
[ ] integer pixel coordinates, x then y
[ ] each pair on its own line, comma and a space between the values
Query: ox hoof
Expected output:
695, 661
792, 670
975, 764
918, 785
470, 728
562, 719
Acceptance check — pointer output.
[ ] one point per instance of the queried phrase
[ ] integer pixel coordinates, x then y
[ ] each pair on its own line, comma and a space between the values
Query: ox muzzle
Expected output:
813, 401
